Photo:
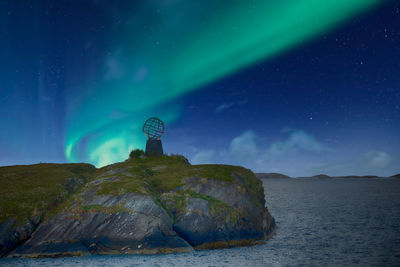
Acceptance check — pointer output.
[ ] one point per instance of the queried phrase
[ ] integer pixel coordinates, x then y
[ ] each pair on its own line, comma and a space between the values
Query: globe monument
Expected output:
153, 128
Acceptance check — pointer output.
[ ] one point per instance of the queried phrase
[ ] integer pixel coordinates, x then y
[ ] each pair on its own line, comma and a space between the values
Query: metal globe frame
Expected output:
153, 128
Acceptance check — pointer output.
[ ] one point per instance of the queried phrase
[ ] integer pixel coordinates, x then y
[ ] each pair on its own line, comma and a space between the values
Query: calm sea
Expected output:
334, 222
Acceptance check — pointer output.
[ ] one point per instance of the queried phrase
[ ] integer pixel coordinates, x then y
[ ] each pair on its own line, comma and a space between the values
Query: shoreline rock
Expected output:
12, 233
136, 226
151, 205
27, 195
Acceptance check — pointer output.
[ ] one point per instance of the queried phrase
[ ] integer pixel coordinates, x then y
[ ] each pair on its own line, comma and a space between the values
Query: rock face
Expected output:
153, 205
11, 233
231, 218
130, 223
27, 192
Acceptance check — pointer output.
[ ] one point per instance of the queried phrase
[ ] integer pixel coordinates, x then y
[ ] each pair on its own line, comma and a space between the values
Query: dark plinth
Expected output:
154, 147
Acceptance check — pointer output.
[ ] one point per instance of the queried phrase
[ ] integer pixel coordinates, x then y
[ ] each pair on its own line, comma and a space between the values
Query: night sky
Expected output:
300, 87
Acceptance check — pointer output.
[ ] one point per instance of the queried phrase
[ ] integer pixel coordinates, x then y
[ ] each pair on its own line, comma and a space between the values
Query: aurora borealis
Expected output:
180, 49
106, 67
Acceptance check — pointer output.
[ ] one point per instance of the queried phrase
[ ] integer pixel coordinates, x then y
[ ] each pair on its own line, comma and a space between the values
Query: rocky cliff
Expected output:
147, 205
28, 193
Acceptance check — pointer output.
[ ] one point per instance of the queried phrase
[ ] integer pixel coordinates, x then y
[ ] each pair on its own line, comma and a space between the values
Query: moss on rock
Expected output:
28, 190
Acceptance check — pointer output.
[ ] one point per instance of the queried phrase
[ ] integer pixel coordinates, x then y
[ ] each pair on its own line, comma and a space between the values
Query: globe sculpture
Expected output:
153, 128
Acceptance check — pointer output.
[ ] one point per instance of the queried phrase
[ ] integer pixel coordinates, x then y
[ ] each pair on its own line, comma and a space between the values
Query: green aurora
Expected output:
165, 50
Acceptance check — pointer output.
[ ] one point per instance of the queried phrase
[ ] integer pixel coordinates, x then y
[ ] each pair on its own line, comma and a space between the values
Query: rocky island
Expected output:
144, 205
271, 176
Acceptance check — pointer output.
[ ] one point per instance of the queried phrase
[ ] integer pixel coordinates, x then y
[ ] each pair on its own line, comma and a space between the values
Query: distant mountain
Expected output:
370, 176
324, 176
321, 176
271, 176
356, 176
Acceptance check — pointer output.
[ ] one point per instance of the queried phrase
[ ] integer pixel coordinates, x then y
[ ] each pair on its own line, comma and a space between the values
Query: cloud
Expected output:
293, 156
376, 159
243, 148
297, 141
203, 157
286, 156
370, 163
224, 106
229, 105
300, 154
114, 68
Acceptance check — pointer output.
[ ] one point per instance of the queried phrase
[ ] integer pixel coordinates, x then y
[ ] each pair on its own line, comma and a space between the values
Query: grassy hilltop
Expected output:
42, 189
28, 190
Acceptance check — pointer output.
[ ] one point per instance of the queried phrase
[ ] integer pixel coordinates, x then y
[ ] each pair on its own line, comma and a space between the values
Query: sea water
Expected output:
321, 222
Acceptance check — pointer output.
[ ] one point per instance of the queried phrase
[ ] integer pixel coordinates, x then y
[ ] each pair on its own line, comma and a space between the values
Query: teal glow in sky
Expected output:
160, 50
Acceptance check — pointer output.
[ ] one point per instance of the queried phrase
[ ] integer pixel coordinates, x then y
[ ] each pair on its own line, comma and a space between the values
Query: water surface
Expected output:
333, 222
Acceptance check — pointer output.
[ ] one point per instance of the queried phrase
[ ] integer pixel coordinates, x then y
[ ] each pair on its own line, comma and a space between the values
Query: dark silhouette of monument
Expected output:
153, 128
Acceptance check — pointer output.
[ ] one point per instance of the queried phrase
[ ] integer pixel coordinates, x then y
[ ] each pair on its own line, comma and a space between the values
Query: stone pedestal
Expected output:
154, 148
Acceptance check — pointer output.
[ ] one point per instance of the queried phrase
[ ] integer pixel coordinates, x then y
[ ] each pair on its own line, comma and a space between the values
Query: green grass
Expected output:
147, 175
216, 206
42, 188
28, 190
123, 185
215, 171
161, 174
165, 173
